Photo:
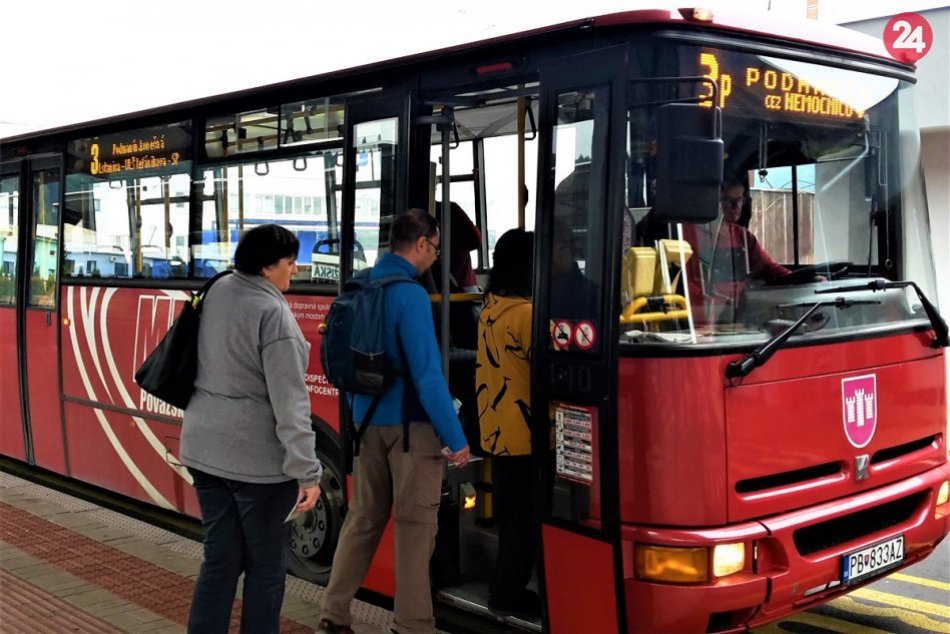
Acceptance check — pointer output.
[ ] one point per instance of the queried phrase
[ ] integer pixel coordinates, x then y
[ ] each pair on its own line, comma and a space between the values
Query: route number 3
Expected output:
908, 37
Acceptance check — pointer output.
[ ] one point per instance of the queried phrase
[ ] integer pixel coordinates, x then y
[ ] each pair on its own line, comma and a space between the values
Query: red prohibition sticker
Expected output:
584, 335
908, 37
561, 334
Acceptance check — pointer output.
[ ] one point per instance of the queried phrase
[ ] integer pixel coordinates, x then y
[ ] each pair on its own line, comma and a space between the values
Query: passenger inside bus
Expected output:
573, 294
463, 315
465, 238
503, 388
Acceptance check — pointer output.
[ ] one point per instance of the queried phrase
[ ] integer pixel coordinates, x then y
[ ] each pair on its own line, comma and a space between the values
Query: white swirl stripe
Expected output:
143, 427
130, 465
88, 323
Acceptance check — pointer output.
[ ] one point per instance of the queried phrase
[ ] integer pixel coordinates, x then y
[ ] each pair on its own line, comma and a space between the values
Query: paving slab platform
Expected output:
68, 565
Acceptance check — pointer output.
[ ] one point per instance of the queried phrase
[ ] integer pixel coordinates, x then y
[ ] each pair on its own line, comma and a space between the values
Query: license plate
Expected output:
872, 560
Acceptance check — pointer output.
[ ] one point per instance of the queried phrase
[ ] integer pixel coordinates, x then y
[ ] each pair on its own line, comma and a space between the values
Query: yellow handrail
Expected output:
456, 297
674, 308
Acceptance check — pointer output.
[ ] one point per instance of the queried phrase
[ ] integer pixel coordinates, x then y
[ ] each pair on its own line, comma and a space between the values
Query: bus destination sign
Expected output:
749, 84
137, 151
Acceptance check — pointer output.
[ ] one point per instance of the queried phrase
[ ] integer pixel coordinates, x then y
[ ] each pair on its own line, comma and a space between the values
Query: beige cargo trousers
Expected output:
386, 478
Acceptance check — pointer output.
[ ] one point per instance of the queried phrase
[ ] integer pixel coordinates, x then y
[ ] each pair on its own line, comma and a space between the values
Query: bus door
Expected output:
374, 156
12, 428
32, 199
574, 374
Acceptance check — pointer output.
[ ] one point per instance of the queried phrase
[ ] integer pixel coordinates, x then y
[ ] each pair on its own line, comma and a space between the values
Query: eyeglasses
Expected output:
435, 247
737, 201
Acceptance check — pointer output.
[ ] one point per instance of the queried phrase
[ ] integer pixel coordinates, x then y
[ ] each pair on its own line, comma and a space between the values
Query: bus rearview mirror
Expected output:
689, 156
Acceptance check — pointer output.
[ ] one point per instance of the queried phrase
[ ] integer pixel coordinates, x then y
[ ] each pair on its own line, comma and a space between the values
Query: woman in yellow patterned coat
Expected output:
503, 388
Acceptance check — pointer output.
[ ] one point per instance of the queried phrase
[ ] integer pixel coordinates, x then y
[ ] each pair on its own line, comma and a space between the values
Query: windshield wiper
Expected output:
941, 335
763, 353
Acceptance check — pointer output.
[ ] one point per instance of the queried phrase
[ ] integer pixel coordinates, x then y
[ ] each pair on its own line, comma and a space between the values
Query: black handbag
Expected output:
169, 371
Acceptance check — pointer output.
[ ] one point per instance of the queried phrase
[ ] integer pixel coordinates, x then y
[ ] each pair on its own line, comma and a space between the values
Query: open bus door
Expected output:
30, 355
375, 152
575, 336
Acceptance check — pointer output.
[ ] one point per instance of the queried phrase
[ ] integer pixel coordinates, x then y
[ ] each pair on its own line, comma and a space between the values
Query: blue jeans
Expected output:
244, 532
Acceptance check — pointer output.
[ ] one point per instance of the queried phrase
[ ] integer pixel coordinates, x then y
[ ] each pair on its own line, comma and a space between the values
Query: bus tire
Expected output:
314, 535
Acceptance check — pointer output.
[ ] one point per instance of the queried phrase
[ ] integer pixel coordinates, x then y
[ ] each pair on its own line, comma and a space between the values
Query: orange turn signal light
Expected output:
672, 564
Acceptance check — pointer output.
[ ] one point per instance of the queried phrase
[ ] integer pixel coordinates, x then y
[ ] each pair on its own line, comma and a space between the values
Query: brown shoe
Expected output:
329, 627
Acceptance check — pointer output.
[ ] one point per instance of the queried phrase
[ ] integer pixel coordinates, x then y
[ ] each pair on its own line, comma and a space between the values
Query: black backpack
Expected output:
353, 349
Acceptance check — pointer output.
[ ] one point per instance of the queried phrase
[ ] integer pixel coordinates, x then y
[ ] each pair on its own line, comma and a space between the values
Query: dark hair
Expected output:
409, 226
512, 264
263, 246
454, 206
732, 183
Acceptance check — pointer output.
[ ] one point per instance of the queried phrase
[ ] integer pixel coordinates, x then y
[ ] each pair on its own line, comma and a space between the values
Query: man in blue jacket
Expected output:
385, 476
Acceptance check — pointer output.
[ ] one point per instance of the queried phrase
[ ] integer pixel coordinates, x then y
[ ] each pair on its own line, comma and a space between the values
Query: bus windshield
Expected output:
821, 185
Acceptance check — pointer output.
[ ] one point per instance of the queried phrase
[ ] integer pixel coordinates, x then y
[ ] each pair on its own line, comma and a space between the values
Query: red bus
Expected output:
716, 448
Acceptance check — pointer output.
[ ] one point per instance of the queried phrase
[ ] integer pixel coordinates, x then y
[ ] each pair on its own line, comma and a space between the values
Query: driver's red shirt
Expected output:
727, 259
736, 255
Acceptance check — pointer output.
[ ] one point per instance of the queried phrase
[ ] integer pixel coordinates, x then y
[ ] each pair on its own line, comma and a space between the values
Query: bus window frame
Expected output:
297, 286
11, 170
27, 220
390, 104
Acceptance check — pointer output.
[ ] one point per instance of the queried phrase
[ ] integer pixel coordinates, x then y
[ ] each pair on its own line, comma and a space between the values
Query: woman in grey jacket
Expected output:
246, 437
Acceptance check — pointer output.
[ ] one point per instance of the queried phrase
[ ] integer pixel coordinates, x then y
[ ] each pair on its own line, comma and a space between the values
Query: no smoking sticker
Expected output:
908, 37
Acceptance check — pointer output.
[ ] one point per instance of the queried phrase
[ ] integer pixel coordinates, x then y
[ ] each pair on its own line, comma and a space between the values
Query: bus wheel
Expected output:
314, 534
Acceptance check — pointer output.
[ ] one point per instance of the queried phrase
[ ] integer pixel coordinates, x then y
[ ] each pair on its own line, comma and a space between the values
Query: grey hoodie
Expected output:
249, 419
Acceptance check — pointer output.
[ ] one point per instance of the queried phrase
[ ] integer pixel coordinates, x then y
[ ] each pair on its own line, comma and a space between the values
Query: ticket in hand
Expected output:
294, 513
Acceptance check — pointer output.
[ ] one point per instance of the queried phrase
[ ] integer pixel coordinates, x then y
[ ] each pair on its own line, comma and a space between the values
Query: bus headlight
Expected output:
671, 563
943, 496
728, 559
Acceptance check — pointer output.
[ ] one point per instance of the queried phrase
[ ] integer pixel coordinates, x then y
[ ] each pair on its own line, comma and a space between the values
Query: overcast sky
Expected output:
66, 61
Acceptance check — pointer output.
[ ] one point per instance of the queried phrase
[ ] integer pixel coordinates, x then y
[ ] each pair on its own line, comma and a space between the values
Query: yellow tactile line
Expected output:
914, 619
917, 605
824, 622
921, 581
912, 612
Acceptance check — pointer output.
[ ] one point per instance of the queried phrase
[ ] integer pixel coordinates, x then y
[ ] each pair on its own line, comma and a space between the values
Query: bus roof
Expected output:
780, 28
802, 31
783, 27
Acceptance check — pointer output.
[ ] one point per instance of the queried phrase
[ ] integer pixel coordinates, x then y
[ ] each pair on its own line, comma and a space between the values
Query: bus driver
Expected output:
735, 254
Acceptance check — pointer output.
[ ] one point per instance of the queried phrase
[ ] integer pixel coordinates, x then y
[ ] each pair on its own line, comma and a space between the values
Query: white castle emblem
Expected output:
859, 408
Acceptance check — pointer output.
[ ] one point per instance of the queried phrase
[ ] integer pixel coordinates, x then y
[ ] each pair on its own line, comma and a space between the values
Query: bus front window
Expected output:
811, 198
